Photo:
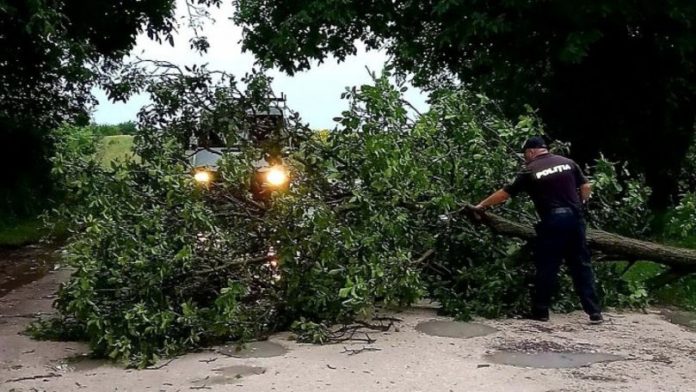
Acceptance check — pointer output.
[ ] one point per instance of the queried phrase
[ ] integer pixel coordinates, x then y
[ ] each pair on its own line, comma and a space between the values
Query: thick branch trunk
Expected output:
619, 247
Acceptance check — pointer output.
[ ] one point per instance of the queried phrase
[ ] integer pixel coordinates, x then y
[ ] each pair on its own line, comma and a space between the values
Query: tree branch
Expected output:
683, 260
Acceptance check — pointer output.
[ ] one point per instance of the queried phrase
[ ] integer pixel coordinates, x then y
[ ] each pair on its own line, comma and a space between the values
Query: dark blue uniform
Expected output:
553, 183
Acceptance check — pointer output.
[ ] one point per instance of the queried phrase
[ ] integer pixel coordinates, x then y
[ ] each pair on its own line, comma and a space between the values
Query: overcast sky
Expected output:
315, 94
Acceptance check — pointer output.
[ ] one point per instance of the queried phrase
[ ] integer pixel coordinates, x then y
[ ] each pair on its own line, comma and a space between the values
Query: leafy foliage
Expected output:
687, 178
615, 77
620, 201
310, 332
371, 217
141, 254
125, 128
50, 49
682, 224
679, 225
52, 52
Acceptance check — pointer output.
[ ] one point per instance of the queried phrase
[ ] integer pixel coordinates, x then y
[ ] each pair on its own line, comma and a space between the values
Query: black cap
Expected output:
534, 142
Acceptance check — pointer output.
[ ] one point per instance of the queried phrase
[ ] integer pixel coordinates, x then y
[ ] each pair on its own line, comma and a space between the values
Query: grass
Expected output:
114, 148
14, 234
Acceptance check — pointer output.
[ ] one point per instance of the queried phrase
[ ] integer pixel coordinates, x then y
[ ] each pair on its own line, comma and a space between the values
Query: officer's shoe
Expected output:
596, 318
538, 315
539, 318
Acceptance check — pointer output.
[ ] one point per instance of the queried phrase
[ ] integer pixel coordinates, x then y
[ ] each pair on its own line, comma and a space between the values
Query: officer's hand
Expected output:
476, 212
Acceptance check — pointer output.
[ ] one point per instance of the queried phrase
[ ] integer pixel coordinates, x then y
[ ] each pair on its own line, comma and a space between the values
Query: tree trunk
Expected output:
616, 247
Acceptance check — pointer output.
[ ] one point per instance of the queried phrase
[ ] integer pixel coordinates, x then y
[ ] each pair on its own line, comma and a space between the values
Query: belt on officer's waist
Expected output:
561, 211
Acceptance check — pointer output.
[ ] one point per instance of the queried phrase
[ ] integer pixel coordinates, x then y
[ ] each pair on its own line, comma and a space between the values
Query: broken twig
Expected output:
50, 375
351, 351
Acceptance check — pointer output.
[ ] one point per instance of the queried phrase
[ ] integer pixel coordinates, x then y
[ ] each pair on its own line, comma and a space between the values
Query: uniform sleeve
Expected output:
580, 178
518, 185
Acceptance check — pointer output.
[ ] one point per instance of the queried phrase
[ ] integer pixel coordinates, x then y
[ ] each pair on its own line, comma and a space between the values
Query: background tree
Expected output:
51, 53
124, 128
611, 76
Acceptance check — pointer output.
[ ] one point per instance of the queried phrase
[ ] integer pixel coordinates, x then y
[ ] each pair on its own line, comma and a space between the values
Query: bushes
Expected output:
682, 223
124, 128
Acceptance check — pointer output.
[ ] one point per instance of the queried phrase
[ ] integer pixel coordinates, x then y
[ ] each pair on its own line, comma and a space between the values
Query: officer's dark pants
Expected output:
561, 235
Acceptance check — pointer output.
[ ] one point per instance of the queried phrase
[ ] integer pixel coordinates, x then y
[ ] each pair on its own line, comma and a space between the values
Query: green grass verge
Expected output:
119, 147
14, 234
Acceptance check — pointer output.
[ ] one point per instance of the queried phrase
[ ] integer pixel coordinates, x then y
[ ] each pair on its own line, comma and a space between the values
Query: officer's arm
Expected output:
585, 187
498, 197
585, 192
502, 195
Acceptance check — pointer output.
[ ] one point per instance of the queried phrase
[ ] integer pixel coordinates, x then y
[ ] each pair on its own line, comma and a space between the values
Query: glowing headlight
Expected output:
276, 176
202, 177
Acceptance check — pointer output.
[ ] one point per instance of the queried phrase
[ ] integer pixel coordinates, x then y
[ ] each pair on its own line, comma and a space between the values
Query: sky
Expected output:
315, 94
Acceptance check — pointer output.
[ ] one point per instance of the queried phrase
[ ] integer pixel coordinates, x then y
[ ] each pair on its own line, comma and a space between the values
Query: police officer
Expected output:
558, 189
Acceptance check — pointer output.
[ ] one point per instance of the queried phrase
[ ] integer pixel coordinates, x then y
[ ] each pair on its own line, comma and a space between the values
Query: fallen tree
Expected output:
612, 247
164, 265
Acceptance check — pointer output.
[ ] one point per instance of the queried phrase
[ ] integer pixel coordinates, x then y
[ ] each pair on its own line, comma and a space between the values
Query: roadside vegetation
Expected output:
16, 233
111, 146
681, 293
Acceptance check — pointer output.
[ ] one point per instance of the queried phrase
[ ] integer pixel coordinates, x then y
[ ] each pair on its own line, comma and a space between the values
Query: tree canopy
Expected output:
611, 76
51, 54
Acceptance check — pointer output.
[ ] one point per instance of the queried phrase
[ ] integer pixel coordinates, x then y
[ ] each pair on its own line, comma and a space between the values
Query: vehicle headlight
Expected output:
202, 177
277, 176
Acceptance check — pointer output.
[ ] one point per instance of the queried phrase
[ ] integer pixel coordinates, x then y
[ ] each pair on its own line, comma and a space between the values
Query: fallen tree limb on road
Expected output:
680, 260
